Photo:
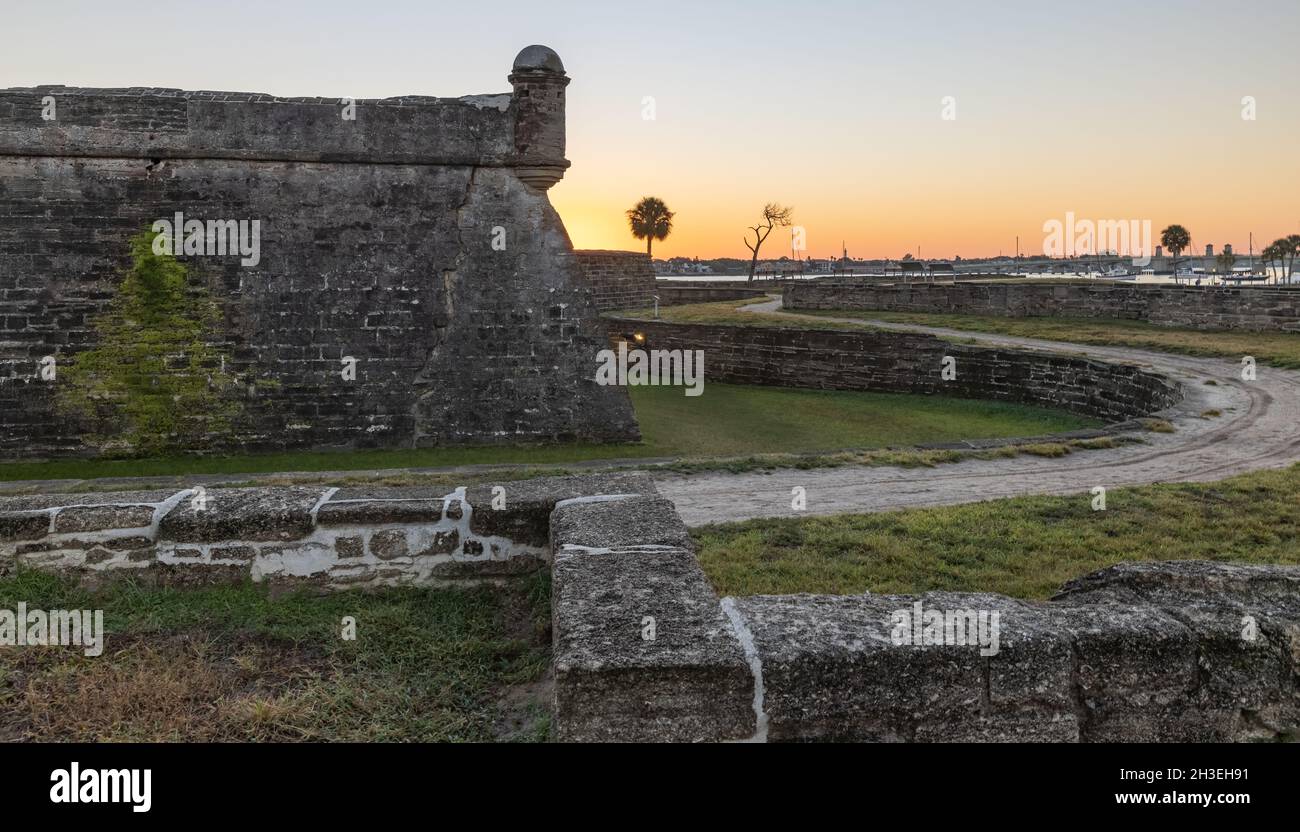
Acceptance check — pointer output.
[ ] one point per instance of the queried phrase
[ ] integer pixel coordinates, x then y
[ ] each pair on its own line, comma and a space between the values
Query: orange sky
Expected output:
1112, 109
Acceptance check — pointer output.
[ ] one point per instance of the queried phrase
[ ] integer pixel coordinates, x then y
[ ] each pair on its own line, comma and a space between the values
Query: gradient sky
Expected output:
1111, 110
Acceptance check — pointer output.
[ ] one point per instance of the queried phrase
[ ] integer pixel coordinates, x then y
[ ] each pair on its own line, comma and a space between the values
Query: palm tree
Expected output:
1176, 239
1272, 253
650, 220
1292, 249
1226, 260
1283, 251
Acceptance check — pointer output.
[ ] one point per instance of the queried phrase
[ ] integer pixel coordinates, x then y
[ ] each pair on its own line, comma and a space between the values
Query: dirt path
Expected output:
1257, 429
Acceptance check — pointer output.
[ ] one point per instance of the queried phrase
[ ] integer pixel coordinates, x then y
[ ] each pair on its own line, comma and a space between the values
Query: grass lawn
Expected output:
1279, 349
235, 664
1023, 547
727, 420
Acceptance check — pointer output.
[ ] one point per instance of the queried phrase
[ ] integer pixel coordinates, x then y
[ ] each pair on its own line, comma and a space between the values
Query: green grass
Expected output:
1279, 349
236, 664
739, 419
727, 420
1023, 547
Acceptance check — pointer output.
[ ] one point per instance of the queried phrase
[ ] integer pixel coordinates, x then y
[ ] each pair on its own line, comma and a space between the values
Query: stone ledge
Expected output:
333, 538
1251, 308
1107, 664
642, 649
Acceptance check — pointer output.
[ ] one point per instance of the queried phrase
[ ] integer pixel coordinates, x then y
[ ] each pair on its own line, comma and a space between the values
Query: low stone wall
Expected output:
617, 279
1197, 307
672, 295
644, 650
1138, 652
899, 362
332, 537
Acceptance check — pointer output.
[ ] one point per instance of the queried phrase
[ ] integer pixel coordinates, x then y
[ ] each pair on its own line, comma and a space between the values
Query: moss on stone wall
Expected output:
154, 381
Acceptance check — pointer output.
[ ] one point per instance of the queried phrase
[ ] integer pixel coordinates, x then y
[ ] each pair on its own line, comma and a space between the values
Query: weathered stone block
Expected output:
688, 682
259, 514
100, 518
618, 521
350, 547
387, 545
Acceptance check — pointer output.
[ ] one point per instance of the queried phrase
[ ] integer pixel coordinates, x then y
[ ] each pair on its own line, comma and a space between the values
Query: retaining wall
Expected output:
618, 279
670, 294
329, 537
900, 362
1196, 307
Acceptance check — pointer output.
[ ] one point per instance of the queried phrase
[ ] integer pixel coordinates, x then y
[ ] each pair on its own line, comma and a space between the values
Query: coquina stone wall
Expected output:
618, 279
671, 294
899, 362
412, 235
333, 538
1199, 307
1139, 652
645, 650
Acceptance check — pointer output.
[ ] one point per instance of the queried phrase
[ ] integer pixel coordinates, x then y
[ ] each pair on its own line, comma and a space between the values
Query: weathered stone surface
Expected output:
901, 362
441, 543
1250, 308
831, 671
689, 683
1176, 581
99, 518
376, 244
476, 570
617, 522
130, 542
642, 650
1246, 622
387, 545
23, 525
239, 553
282, 513
380, 511
528, 503
618, 279
350, 547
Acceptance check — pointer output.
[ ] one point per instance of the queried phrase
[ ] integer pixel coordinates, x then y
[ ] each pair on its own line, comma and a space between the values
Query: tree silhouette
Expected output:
773, 215
650, 220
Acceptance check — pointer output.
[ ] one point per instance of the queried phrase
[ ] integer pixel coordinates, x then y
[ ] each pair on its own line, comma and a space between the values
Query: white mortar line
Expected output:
746, 639
324, 498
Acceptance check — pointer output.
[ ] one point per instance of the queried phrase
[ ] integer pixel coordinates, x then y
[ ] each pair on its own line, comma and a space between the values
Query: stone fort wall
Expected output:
414, 236
901, 362
1198, 307
618, 279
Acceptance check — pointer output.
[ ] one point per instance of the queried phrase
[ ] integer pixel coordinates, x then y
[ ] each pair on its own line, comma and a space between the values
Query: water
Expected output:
1184, 280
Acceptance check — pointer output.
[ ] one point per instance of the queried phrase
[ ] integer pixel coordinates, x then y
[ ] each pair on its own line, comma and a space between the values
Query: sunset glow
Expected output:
1110, 110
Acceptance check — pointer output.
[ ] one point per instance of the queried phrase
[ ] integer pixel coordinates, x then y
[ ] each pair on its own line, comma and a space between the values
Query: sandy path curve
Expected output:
1258, 429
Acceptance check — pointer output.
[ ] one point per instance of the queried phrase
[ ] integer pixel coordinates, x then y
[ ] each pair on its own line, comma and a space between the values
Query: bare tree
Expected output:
774, 215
